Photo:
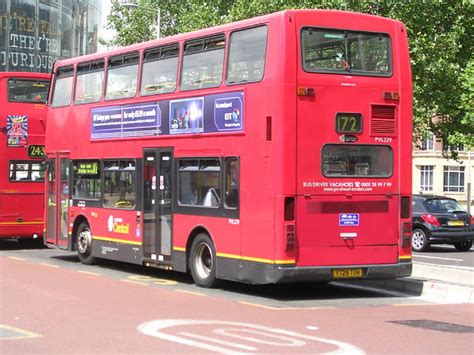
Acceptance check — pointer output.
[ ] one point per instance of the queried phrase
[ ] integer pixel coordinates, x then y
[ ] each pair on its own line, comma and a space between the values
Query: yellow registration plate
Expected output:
346, 273
455, 223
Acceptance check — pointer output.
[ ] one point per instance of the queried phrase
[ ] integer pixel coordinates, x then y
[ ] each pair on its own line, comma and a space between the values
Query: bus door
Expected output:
157, 208
57, 201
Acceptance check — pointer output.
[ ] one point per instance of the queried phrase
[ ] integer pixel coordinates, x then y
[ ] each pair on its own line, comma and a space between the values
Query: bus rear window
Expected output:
340, 51
357, 160
25, 170
30, 91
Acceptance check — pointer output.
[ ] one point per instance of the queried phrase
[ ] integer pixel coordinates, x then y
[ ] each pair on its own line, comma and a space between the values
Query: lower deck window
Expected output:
24, 170
86, 180
120, 184
199, 183
357, 160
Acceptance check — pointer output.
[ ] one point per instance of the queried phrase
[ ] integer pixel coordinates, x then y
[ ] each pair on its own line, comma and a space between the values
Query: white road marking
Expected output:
155, 328
217, 341
435, 257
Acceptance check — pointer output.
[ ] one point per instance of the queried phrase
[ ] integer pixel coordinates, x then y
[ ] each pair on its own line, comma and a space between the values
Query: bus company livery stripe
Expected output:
247, 258
114, 240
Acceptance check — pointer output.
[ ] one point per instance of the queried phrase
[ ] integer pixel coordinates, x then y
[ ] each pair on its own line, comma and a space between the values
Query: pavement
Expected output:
438, 283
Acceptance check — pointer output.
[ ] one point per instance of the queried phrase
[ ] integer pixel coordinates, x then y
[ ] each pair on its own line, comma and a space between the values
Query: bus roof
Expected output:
30, 75
332, 15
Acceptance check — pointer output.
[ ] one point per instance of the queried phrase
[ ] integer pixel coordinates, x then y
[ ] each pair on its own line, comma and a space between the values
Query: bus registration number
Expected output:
346, 273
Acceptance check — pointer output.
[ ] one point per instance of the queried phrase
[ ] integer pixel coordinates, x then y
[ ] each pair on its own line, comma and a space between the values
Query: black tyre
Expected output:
202, 261
419, 240
463, 246
84, 244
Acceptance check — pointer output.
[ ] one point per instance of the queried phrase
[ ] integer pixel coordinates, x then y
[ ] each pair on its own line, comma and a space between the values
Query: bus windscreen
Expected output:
340, 51
30, 91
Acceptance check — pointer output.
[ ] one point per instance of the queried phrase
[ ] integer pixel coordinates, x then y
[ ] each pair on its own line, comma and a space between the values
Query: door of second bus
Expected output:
57, 201
157, 207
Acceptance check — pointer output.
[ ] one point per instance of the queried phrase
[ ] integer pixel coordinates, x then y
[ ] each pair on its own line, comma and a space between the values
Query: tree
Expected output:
440, 36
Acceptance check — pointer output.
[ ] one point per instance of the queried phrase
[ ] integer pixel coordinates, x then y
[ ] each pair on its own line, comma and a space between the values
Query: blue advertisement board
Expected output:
204, 114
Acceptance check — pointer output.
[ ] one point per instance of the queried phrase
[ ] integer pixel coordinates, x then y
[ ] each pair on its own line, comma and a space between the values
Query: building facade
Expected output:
434, 174
35, 33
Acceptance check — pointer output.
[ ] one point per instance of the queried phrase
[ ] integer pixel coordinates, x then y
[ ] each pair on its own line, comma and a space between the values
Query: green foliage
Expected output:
440, 34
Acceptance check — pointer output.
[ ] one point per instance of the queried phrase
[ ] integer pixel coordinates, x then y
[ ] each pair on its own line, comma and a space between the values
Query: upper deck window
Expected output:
160, 68
122, 76
203, 63
344, 160
27, 90
63, 87
247, 55
343, 52
89, 81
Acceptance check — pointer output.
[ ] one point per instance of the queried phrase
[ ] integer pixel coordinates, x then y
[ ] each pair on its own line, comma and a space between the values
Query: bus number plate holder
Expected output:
347, 273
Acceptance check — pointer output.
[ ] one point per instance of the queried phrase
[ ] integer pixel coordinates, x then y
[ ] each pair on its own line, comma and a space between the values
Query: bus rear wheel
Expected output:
203, 261
84, 244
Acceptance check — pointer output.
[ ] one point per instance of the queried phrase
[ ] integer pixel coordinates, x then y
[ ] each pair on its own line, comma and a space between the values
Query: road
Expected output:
445, 255
50, 303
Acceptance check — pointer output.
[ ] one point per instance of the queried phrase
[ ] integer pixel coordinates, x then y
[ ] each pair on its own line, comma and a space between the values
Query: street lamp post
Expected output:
132, 4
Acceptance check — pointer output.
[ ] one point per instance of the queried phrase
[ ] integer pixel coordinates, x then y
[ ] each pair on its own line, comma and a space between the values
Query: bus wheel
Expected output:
84, 244
203, 261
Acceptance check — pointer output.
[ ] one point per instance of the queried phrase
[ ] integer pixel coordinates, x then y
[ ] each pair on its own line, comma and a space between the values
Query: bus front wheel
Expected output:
203, 261
84, 244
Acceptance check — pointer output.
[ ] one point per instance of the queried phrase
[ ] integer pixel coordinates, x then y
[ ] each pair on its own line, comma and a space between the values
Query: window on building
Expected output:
453, 147
427, 143
120, 184
25, 170
122, 77
86, 180
203, 62
247, 55
453, 179
426, 178
160, 68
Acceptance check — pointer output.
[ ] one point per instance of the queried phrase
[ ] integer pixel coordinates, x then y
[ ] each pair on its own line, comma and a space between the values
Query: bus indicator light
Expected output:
301, 91
391, 96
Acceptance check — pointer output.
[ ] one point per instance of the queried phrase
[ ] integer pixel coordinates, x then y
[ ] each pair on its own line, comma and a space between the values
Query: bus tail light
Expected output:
406, 234
405, 207
391, 96
289, 209
290, 237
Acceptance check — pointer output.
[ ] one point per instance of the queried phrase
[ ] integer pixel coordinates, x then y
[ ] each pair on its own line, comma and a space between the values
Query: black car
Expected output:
440, 220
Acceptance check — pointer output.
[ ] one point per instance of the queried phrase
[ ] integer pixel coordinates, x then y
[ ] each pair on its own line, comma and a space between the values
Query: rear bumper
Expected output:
441, 237
305, 274
259, 273
20, 230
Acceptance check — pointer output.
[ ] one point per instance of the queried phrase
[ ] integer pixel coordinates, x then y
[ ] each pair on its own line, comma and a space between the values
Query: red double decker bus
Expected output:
275, 149
22, 133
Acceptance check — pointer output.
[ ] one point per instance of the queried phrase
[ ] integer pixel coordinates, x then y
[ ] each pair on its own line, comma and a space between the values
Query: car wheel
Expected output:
419, 240
463, 246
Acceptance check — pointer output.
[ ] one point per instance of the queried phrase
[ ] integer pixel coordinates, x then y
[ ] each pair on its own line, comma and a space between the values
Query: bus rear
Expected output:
354, 137
22, 133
